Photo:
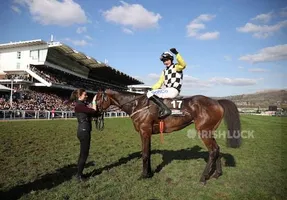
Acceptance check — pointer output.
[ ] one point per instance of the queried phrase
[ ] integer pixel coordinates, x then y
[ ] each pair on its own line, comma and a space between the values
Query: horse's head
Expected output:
103, 100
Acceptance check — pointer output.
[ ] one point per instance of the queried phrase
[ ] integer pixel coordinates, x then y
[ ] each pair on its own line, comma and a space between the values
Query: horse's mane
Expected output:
110, 91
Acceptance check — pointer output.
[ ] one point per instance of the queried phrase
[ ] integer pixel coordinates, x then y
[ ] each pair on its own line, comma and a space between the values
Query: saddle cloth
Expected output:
176, 105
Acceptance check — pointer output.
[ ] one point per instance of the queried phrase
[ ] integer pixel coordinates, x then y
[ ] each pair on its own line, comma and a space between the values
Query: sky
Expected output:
230, 46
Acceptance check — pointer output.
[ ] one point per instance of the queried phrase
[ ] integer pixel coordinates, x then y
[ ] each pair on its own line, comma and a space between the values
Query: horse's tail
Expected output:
232, 120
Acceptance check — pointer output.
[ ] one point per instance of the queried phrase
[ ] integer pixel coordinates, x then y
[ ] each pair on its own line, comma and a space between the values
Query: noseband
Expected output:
101, 102
99, 120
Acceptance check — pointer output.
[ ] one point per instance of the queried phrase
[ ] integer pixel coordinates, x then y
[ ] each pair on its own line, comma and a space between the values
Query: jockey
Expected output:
171, 77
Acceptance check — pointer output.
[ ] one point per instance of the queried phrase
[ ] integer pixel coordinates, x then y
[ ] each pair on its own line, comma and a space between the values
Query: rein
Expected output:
120, 106
100, 122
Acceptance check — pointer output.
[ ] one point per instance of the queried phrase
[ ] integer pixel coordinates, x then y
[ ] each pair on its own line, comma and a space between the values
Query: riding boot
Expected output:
164, 110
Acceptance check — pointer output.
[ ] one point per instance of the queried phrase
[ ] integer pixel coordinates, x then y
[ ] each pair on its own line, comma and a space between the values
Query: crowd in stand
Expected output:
44, 101
32, 100
50, 77
25, 77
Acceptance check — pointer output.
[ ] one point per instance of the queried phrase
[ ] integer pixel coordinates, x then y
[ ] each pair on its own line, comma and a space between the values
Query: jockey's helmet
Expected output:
166, 56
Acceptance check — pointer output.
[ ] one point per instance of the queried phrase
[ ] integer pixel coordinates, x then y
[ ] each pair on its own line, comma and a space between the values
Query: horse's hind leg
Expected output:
218, 170
218, 167
213, 149
214, 163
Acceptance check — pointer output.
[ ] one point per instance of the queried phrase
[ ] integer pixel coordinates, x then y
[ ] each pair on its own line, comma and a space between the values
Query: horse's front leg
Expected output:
146, 150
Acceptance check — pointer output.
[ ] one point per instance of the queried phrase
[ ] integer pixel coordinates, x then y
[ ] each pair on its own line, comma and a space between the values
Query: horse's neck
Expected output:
126, 102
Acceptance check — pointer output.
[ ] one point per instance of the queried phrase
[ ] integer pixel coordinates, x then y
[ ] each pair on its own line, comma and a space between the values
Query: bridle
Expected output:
99, 121
103, 99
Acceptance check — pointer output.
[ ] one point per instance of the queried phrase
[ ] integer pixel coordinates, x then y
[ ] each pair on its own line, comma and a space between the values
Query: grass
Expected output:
38, 162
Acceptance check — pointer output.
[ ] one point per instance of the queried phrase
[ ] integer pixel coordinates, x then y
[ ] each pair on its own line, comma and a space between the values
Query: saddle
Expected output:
169, 106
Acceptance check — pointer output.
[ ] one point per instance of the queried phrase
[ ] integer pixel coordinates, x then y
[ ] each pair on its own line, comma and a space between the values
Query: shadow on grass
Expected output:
46, 181
66, 173
188, 154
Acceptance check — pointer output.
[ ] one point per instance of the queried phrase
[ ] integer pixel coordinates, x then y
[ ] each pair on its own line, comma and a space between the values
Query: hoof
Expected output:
203, 180
146, 176
203, 183
82, 178
216, 175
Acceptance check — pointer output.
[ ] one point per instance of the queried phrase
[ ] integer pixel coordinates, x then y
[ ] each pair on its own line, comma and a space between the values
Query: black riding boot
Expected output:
164, 110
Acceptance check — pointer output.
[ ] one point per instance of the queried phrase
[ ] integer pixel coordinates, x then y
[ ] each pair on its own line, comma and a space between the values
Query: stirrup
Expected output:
163, 113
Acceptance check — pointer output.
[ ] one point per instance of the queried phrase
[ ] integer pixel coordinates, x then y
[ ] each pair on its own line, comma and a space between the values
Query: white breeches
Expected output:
164, 93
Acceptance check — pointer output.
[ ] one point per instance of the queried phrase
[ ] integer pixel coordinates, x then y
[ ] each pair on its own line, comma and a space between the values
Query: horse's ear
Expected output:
108, 90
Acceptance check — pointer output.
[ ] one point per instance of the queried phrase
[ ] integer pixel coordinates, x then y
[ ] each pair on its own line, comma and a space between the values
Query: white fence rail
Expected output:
32, 114
35, 114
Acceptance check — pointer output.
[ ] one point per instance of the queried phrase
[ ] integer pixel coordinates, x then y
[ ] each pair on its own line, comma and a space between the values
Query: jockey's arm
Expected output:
180, 63
159, 82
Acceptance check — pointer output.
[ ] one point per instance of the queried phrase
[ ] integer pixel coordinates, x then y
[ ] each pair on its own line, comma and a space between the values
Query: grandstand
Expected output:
43, 74
3, 88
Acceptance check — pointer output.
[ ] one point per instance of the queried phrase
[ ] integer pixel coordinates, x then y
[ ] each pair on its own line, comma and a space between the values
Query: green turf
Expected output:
38, 162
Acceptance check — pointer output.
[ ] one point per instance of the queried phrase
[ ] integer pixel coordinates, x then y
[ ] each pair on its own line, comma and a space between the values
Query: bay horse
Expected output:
206, 113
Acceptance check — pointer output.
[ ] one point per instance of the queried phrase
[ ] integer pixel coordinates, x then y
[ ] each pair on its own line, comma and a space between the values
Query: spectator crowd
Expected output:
25, 77
45, 101
32, 100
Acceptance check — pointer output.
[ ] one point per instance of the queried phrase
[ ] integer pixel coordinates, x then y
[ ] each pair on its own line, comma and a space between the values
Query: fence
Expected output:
32, 114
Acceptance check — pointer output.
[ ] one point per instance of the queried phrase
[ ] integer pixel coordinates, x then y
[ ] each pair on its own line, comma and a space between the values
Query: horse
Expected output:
206, 113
